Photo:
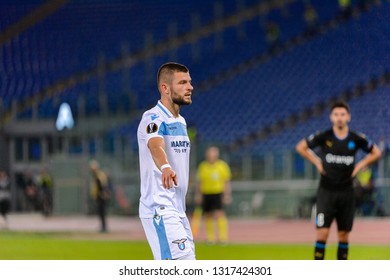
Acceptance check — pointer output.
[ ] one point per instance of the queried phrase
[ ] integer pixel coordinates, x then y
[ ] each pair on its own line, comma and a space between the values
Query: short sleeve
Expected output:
315, 139
151, 126
364, 143
225, 170
200, 171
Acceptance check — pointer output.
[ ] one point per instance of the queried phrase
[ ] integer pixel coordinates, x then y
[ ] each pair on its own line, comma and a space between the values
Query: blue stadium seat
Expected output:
322, 67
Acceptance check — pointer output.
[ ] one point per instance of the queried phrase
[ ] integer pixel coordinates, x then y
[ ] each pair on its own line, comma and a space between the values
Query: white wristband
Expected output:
165, 166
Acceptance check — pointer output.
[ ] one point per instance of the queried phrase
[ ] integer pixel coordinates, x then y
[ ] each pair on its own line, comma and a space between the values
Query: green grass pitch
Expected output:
64, 246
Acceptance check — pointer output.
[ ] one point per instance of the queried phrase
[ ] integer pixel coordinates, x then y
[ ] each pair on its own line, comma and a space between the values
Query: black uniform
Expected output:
335, 195
5, 196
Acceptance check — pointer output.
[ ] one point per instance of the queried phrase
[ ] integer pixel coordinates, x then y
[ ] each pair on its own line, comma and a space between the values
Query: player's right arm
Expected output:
198, 192
303, 149
156, 146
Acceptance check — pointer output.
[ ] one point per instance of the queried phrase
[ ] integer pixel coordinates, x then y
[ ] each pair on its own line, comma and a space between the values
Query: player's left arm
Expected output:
371, 157
227, 193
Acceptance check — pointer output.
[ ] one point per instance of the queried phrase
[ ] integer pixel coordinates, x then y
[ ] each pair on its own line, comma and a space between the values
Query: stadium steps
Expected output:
238, 117
294, 80
349, 94
31, 19
269, 54
57, 87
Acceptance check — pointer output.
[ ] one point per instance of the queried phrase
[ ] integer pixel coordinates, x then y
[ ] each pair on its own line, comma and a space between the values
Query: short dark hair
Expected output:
339, 104
167, 69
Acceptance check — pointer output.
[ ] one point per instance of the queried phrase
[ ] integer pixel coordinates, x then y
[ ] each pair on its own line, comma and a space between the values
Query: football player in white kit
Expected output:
164, 151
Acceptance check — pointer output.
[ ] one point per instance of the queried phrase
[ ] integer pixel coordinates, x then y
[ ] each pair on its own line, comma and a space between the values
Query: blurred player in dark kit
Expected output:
335, 161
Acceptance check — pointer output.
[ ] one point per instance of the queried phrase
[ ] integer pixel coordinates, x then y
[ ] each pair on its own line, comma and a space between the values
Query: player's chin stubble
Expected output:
181, 101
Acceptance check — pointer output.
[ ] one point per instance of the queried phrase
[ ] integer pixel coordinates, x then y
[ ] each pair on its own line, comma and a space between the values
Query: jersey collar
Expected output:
340, 138
164, 109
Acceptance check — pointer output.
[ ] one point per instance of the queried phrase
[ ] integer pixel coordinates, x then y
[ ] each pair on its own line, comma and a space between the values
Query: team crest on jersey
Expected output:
351, 145
151, 128
157, 218
362, 135
328, 143
180, 243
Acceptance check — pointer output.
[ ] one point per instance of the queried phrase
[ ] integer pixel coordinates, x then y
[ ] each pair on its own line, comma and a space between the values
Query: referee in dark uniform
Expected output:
335, 160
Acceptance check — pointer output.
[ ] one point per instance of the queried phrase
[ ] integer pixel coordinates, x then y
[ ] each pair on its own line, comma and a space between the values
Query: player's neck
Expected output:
341, 131
172, 107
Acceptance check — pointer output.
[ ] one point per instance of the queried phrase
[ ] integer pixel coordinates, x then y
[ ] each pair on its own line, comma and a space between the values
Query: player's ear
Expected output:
164, 88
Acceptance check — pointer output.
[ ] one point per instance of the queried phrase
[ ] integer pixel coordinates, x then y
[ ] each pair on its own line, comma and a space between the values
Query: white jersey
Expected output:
155, 199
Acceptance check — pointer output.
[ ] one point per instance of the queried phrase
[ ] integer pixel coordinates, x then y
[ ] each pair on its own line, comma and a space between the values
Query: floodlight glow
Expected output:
65, 117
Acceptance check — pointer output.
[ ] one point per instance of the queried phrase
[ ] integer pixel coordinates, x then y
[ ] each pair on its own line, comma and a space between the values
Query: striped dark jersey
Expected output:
338, 156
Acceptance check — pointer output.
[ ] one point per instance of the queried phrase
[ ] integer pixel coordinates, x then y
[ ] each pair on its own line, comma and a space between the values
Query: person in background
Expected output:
5, 198
335, 161
213, 192
384, 147
311, 19
45, 184
345, 7
272, 36
364, 191
31, 192
100, 192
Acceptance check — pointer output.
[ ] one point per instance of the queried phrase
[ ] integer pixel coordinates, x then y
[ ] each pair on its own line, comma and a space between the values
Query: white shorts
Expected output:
170, 237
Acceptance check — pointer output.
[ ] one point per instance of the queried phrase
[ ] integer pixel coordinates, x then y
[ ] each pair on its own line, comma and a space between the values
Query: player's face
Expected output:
212, 154
340, 117
181, 88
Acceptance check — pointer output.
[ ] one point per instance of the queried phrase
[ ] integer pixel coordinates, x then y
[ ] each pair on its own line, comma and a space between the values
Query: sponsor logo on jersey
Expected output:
180, 144
154, 117
180, 243
347, 160
151, 128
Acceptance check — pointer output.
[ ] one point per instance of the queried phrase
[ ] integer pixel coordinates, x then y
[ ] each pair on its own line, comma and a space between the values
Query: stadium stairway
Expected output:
292, 81
86, 81
56, 82
370, 114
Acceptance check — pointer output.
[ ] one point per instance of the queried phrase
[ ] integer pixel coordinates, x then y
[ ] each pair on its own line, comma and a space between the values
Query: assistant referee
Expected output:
213, 192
